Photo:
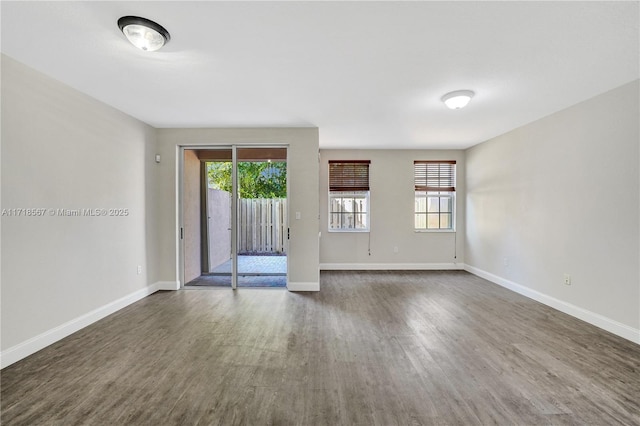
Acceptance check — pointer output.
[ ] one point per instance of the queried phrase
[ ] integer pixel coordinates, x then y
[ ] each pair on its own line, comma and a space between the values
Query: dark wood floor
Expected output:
372, 348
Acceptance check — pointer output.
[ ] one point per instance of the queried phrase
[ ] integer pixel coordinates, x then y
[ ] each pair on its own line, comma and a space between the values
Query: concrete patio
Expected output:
253, 271
262, 265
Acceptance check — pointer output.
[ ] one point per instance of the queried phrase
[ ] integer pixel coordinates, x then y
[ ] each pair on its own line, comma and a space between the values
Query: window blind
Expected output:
434, 175
352, 175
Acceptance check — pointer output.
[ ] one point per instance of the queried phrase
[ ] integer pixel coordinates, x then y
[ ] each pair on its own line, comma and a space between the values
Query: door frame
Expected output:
180, 149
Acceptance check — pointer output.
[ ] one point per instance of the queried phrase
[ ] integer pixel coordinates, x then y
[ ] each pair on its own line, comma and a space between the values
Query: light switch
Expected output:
298, 215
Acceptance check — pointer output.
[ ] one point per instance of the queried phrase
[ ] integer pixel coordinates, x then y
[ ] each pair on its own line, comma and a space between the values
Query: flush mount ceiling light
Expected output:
458, 99
143, 33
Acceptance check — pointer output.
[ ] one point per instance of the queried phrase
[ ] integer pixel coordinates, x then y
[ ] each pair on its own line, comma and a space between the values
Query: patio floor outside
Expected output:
253, 271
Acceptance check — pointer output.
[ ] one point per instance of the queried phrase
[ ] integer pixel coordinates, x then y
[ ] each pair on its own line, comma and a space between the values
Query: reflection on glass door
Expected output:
215, 211
262, 217
219, 198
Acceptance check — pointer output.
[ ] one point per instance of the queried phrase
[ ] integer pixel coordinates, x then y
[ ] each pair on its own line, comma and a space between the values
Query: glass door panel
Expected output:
217, 213
262, 237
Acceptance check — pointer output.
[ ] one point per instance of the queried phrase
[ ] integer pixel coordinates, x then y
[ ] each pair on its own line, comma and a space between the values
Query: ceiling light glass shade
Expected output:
458, 99
143, 33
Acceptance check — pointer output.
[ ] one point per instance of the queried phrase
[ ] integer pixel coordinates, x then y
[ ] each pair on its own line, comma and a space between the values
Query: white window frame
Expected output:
350, 194
349, 179
433, 178
426, 213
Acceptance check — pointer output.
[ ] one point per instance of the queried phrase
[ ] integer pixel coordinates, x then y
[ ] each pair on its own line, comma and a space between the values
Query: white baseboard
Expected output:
592, 318
311, 286
390, 266
167, 285
41, 341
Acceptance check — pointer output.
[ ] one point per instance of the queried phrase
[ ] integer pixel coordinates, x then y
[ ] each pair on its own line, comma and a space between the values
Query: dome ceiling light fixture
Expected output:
458, 99
143, 33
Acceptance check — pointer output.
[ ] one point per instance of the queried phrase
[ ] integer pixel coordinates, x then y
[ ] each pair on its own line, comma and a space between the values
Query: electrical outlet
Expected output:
395, 249
505, 261
567, 279
139, 269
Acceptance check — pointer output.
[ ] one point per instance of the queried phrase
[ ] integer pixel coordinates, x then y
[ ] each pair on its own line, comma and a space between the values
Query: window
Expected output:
435, 190
349, 195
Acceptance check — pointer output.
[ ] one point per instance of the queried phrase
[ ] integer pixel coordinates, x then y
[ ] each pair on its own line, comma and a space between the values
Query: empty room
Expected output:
320, 213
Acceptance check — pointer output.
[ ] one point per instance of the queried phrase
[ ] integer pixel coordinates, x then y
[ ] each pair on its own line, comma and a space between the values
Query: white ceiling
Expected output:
367, 74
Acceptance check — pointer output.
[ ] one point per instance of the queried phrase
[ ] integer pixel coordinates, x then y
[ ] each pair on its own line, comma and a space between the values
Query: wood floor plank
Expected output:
372, 348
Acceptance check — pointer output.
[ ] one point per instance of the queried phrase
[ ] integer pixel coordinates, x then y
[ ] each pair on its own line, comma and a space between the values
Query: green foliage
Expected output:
257, 179
219, 174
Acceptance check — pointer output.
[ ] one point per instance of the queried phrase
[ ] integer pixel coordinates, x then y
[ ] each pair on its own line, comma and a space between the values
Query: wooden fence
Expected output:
263, 225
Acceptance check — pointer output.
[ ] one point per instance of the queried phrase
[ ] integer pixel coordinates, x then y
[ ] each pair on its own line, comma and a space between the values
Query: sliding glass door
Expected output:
243, 235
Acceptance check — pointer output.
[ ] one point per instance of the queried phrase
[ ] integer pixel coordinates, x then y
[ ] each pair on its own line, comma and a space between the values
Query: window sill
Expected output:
437, 231
342, 231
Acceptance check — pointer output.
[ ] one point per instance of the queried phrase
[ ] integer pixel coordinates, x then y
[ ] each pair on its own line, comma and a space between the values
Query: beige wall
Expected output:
192, 236
392, 216
303, 193
561, 196
64, 150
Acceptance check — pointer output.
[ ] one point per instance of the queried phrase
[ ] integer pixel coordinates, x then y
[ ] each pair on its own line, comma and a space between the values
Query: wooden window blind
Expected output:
434, 175
352, 175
